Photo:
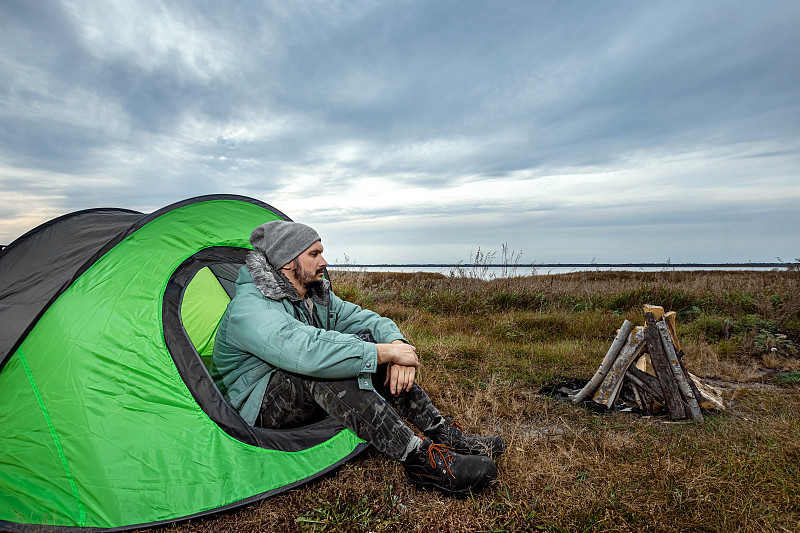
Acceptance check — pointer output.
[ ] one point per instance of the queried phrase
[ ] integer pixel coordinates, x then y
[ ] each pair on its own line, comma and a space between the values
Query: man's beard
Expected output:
306, 278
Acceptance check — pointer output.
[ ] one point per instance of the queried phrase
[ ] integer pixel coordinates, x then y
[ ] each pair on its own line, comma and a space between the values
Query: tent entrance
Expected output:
190, 327
203, 304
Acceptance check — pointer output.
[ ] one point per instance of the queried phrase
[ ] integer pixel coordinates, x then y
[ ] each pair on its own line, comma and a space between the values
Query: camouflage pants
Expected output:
292, 400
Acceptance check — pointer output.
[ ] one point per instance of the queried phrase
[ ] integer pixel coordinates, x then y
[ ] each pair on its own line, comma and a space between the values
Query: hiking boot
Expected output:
436, 466
451, 434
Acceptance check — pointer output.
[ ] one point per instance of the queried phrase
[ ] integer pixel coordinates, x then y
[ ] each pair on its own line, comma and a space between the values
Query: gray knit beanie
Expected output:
282, 241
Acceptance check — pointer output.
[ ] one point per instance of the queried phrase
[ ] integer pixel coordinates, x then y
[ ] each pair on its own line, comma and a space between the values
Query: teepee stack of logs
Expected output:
644, 363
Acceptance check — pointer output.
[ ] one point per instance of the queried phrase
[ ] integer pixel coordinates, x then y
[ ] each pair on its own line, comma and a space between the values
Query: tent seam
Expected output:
73, 485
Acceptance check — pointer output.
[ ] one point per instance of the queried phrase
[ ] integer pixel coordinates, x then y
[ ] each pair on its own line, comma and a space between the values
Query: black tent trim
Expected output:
58, 220
57, 284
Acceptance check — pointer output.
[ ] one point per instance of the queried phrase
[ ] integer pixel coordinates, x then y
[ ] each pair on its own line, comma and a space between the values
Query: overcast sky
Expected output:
419, 131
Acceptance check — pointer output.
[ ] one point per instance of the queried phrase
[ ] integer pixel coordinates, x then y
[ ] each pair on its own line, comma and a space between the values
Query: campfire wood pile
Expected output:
643, 367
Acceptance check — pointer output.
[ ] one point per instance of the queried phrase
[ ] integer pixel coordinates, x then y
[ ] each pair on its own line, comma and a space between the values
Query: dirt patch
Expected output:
543, 431
735, 385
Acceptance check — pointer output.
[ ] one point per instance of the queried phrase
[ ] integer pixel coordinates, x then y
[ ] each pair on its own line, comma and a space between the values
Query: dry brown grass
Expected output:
488, 347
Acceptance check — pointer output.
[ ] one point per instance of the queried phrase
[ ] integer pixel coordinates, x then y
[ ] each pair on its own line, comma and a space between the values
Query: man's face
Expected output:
309, 267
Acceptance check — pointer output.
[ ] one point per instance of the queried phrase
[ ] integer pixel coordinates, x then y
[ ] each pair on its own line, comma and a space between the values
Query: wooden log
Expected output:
608, 391
695, 390
638, 397
608, 360
672, 395
710, 397
677, 372
645, 365
651, 403
646, 382
657, 311
672, 326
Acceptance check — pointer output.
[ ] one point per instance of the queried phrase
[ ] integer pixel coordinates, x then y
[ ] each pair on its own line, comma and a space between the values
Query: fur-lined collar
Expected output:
275, 286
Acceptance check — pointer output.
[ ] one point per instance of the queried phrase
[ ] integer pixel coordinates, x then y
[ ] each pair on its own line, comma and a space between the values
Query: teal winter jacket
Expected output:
267, 326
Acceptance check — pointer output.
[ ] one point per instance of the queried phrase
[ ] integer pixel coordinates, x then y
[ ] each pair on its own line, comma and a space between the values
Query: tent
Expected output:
110, 418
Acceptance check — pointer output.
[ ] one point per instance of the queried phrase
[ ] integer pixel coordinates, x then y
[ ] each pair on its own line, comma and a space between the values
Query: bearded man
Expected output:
289, 351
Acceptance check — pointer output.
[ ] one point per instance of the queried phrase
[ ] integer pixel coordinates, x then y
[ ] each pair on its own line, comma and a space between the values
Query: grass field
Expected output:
487, 347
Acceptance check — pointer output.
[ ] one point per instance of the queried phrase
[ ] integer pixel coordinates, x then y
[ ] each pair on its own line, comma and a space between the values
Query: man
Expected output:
288, 351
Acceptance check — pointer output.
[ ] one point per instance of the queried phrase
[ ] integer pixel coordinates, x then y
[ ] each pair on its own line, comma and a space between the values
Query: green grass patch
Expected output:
789, 378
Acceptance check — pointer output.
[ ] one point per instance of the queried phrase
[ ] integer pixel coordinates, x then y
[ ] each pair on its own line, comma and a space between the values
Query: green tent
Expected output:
110, 418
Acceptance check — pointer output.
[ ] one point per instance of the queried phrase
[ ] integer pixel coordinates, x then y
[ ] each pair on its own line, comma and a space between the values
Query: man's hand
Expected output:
399, 378
399, 353
402, 365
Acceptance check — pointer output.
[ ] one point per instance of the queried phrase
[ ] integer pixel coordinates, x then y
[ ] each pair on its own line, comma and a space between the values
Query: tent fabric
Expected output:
109, 420
41, 263
204, 302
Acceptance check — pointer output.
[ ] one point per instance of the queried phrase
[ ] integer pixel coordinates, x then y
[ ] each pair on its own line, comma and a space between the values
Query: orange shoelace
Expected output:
456, 424
444, 452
